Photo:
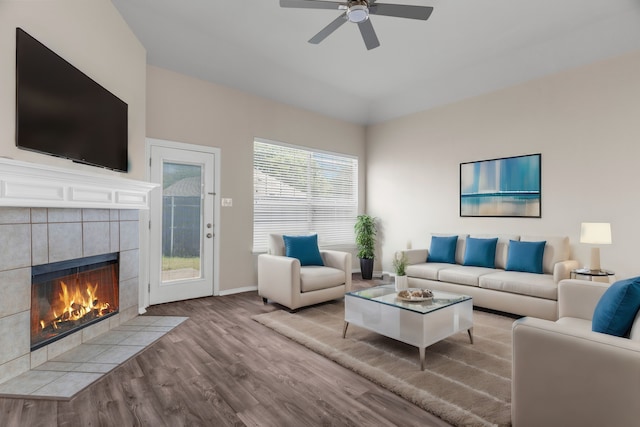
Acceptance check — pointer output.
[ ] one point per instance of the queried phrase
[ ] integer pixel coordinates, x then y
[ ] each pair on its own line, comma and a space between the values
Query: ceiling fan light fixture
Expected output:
358, 13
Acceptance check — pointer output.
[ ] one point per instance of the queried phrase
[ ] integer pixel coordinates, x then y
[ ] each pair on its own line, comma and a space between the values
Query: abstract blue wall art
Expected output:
507, 187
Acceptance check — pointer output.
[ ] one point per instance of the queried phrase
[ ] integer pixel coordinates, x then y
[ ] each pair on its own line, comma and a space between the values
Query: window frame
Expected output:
336, 209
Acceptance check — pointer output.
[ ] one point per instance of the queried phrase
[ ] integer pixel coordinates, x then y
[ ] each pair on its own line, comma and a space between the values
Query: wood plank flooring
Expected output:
220, 368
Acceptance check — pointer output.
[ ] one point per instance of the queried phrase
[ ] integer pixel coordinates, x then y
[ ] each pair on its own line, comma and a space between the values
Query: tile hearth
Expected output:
71, 372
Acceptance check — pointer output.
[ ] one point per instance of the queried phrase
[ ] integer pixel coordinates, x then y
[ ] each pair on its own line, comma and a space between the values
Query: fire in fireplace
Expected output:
69, 295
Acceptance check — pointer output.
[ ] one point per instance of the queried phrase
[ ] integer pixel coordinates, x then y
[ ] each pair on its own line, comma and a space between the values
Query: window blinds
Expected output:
302, 191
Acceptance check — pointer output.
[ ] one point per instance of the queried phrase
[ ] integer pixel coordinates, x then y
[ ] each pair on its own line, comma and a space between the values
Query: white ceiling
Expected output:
466, 48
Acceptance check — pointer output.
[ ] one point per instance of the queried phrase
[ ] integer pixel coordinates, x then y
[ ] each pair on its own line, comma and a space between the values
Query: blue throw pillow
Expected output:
480, 252
616, 310
525, 256
443, 249
305, 248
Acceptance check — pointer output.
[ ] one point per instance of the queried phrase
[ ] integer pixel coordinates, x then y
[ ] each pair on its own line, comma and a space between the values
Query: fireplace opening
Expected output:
69, 295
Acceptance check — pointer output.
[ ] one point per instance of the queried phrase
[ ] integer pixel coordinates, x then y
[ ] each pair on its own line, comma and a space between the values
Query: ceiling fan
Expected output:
358, 11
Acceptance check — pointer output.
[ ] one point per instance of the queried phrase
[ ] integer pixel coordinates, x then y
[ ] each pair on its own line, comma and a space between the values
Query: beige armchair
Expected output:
566, 375
281, 279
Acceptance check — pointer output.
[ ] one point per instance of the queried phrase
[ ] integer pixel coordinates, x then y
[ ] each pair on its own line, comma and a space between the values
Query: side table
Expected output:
591, 273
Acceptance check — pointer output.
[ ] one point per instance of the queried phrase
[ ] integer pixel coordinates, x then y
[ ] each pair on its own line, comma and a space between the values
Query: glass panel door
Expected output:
181, 221
181, 232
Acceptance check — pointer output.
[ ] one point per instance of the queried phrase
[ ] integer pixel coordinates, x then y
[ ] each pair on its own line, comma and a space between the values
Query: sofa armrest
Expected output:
341, 261
567, 377
279, 278
578, 298
415, 256
562, 269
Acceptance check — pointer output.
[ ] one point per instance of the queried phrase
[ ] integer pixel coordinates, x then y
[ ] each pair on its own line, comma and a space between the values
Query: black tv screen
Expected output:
62, 112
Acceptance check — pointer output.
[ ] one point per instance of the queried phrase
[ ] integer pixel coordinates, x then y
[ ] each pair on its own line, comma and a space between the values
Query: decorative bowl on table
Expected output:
415, 295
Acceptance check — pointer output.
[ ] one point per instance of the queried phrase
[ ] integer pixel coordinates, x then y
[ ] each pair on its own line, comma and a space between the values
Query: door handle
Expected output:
209, 235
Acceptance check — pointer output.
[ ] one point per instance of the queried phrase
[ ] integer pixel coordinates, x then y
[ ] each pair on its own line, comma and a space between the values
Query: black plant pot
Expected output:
366, 268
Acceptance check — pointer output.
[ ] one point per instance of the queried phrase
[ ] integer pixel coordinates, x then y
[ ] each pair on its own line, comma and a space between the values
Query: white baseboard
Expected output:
237, 290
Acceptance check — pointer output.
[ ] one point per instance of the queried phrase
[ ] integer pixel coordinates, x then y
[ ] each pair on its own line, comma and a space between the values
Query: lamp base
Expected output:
594, 264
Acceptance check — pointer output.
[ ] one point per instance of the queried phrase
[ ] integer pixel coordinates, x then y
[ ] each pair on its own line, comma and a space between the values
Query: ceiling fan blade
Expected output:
368, 34
310, 4
400, 10
326, 31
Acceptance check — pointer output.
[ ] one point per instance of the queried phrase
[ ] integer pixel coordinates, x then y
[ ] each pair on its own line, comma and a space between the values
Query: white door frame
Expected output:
145, 254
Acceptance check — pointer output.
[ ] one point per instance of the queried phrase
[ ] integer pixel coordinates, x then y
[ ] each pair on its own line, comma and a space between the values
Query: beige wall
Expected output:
586, 124
188, 110
93, 37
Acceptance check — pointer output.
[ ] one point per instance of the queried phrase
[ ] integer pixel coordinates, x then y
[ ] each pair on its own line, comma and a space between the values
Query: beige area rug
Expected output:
463, 384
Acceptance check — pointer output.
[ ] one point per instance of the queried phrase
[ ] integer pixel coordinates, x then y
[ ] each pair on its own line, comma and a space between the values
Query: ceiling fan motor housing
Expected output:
358, 11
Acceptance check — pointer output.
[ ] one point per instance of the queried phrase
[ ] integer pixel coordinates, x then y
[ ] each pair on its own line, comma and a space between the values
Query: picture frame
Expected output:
503, 187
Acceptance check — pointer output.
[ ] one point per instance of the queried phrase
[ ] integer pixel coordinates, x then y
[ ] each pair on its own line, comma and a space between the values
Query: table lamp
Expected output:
595, 233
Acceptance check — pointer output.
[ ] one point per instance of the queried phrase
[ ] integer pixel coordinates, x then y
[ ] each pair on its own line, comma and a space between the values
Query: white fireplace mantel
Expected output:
36, 185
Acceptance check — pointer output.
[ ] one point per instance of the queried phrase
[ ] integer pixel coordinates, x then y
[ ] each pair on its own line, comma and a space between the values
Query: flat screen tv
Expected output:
62, 112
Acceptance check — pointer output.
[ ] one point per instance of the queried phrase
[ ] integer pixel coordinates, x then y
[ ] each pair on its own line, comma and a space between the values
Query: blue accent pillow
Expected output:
305, 248
617, 308
525, 256
480, 252
443, 249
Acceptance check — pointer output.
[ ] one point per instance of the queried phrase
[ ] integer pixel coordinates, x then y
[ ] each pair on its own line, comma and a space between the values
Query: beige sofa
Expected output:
566, 375
526, 294
281, 279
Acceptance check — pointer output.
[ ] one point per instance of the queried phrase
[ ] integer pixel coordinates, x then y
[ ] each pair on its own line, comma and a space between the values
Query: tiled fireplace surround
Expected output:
50, 214
33, 236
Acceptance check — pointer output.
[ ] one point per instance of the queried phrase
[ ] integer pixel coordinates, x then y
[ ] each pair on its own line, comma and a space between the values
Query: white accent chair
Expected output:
281, 279
566, 375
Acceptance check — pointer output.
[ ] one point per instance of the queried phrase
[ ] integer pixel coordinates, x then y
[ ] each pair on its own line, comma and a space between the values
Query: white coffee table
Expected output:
416, 323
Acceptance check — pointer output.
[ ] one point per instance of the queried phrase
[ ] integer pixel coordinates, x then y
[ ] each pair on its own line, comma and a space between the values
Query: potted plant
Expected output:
365, 228
399, 265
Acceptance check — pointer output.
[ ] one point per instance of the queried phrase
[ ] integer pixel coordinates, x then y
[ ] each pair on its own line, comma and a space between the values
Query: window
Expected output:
300, 191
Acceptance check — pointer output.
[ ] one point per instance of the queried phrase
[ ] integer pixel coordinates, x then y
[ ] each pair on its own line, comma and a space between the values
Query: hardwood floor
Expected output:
220, 368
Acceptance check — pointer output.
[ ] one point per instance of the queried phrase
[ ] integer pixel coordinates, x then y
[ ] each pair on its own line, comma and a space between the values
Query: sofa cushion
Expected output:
305, 248
313, 278
502, 247
525, 256
575, 323
531, 284
276, 244
443, 249
480, 252
463, 275
557, 249
426, 270
615, 312
459, 246
634, 335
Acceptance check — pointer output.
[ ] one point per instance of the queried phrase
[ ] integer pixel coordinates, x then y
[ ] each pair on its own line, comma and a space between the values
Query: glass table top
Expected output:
587, 272
386, 294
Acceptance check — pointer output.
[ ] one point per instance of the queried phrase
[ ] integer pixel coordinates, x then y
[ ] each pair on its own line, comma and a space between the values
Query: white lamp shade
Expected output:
596, 233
